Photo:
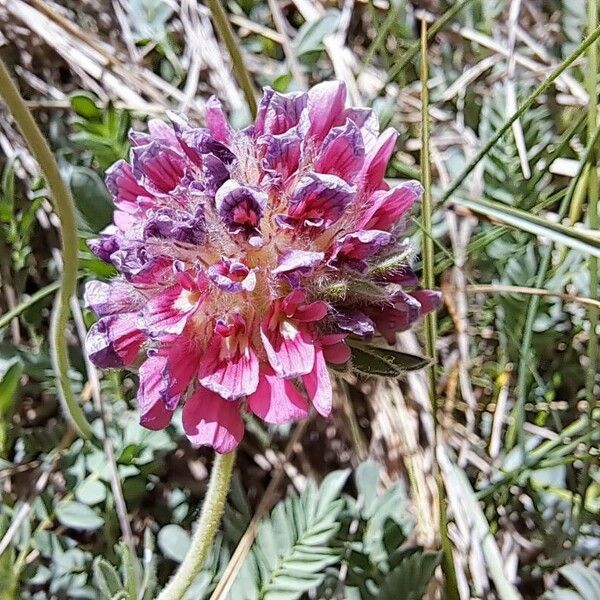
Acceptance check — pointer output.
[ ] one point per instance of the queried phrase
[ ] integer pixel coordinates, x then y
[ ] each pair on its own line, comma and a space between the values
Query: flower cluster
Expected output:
247, 258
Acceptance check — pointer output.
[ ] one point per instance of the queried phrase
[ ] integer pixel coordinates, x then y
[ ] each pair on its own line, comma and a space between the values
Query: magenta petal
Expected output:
281, 156
114, 341
318, 385
388, 208
216, 120
124, 188
208, 420
335, 349
277, 400
290, 350
377, 160
231, 374
278, 113
319, 200
325, 104
168, 311
429, 300
342, 153
153, 412
156, 167
180, 368
309, 313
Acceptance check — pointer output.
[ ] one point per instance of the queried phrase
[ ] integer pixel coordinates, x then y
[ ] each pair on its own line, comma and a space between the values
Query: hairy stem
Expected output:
65, 210
208, 523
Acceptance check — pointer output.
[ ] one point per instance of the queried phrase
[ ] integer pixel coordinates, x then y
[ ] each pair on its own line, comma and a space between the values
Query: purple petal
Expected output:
154, 414
114, 341
429, 300
112, 298
156, 167
325, 105
199, 142
104, 246
281, 156
123, 187
391, 319
138, 265
240, 207
278, 113
342, 153
295, 263
366, 121
355, 322
232, 276
353, 248
178, 225
319, 200
216, 120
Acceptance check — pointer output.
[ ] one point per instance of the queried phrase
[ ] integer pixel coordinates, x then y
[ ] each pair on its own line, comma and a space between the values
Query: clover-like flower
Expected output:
247, 258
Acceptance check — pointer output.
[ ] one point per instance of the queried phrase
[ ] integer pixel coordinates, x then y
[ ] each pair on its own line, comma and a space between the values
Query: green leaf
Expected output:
525, 221
585, 580
84, 105
149, 18
7, 563
292, 547
383, 362
410, 578
173, 542
366, 478
7, 197
106, 578
78, 516
130, 569
10, 374
311, 34
90, 492
91, 198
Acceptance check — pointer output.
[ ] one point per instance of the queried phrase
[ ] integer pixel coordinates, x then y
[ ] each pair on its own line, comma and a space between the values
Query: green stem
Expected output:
227, 34
68, 233
451, 584
594, 224
210, 517
594, 35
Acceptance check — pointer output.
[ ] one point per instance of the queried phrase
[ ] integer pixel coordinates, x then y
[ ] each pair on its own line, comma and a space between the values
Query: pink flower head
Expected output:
247, 258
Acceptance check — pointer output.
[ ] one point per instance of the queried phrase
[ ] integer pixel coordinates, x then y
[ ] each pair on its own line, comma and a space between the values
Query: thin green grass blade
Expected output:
228, 36
594, 224
450, 581
433, 31
542, 88
525, 221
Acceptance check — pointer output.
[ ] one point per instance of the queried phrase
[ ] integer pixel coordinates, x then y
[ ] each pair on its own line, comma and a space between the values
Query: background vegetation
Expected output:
513, 151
